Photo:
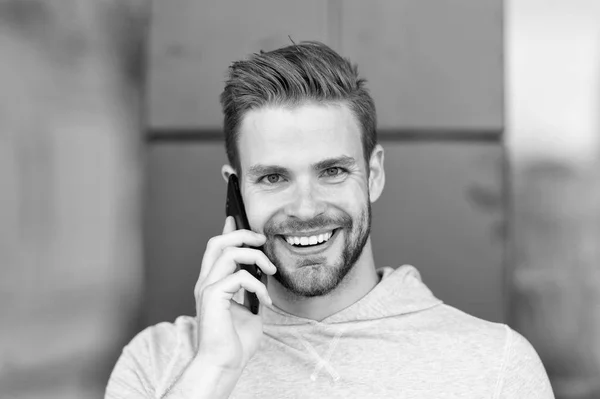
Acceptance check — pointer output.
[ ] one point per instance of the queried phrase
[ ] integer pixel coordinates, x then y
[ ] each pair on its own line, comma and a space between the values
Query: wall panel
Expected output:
431, 65
193, 42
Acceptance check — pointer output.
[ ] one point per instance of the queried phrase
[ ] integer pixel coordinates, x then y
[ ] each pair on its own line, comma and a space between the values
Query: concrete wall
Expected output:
70, 193
553, 86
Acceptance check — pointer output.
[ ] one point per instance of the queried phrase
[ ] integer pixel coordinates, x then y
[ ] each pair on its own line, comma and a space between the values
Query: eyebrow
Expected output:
262, 170
344, 161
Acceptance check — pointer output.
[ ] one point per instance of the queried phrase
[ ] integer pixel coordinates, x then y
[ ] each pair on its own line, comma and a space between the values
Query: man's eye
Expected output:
272, 178
333, 172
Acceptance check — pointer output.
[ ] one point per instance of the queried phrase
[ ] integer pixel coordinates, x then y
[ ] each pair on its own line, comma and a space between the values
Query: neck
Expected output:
355, 285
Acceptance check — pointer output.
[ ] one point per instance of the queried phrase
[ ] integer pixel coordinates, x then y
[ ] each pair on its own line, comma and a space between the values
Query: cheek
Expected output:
350, 196
259, 210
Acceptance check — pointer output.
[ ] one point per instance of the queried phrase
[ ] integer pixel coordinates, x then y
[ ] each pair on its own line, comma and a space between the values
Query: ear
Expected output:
376, 173
227, 170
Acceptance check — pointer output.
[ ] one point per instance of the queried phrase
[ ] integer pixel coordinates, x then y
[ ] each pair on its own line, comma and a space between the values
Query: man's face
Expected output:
305, 186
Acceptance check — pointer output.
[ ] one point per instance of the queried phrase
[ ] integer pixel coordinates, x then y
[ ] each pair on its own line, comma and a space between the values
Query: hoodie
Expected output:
398, 341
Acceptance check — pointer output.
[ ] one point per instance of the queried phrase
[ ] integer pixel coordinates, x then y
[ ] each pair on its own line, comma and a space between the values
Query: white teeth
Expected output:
312, 240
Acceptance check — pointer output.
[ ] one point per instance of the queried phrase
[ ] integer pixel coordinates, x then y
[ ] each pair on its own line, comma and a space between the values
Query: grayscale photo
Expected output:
299, 199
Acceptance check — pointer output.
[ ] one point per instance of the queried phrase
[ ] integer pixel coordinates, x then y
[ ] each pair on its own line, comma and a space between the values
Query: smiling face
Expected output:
305, 185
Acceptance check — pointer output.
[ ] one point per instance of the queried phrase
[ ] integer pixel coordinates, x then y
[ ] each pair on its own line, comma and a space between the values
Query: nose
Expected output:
305, 201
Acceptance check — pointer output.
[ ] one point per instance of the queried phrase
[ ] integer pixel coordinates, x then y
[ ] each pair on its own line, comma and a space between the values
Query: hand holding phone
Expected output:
228, 334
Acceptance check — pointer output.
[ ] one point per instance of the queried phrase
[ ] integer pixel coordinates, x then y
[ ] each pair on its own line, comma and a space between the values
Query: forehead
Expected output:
310, 132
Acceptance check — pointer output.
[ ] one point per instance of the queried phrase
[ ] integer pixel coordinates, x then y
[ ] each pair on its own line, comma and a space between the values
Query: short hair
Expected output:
291, 76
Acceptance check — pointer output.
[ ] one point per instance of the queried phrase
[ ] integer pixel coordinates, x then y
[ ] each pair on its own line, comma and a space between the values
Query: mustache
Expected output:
273, 228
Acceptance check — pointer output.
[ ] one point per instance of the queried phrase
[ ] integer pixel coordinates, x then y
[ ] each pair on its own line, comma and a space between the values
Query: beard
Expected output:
312, 276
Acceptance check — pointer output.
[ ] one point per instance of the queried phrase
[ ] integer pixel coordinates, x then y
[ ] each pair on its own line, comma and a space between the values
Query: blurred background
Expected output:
110, 152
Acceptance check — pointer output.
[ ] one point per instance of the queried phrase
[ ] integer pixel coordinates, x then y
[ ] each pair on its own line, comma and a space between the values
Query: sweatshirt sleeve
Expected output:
153, 361
131, 377
523, 374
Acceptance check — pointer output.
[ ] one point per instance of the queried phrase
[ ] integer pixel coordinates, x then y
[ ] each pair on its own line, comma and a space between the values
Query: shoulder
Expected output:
484, 336
466, 331
158, 343
153, 358
518, 368
523, 374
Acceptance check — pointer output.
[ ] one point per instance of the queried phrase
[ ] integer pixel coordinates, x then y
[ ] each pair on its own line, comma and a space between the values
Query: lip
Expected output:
311, 250
308, 233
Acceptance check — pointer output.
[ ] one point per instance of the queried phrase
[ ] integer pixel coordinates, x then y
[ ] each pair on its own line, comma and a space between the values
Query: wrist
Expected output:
219, 361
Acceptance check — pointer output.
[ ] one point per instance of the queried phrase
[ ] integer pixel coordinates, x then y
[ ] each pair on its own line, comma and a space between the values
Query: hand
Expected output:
228, 333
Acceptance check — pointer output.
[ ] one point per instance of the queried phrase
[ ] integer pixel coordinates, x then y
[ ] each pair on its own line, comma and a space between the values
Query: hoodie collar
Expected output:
400, 291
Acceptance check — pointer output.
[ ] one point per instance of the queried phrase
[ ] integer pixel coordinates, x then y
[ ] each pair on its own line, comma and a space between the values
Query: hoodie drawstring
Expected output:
322, 362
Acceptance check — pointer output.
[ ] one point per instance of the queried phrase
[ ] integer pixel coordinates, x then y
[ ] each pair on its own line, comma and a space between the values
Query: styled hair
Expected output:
308, 72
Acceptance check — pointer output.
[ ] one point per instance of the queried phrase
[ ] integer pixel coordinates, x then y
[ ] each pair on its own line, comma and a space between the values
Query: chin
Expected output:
312, 279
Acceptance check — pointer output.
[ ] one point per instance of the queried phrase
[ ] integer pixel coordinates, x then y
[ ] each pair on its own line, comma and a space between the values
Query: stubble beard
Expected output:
312, 276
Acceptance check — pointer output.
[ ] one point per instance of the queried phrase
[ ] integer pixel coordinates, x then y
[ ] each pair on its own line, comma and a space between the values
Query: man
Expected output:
300, 132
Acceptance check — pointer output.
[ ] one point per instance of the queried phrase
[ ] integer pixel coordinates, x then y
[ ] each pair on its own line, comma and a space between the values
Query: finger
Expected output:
229, 225
224, 290
239, 297
231, 257
217, 244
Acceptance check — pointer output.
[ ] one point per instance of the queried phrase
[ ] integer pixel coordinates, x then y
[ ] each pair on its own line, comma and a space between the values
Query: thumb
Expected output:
239, 296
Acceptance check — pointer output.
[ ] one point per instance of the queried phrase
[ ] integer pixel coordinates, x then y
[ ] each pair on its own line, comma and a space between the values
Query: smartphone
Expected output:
235, 207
